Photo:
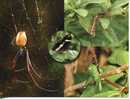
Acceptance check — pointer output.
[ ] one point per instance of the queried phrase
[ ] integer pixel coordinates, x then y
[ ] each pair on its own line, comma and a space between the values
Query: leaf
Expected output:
119, 56
85, 22
82, 77
82, 12
89, 91
74, 27
119, 3
93, 70
55, 69
109, 37
106, 4
92, 11
94, 1
66, 1
116, 8
104, 22
67, 55
115, 36
108, 93
116, 11
119, 25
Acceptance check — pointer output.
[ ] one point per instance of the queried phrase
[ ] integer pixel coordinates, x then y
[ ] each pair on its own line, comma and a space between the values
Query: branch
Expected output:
95, 20
114, 71
121, 88
93, 27
75, 87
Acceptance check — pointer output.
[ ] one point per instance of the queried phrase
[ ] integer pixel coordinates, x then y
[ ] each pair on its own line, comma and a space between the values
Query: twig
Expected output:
93, 28
75, 87
115, 71
69, 79
95, 20
121, 88
113, 84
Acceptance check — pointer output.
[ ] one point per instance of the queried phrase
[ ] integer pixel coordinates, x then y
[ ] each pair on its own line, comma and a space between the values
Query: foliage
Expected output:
110, 31
67, 47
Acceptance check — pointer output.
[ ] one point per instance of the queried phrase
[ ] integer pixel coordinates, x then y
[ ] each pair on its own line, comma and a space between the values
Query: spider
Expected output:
21, 42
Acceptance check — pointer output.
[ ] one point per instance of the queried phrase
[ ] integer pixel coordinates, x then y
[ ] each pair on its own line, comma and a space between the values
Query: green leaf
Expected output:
106, 4
94, 1
92, 11
119, 56
82, 12
119, 3
85, 22
89, 91
116, 11
55, 69
67, 55
79, 77
104, 22
108, 93
93, 70
117, 8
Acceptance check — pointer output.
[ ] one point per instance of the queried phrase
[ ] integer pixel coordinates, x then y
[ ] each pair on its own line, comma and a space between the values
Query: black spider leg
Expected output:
33, 73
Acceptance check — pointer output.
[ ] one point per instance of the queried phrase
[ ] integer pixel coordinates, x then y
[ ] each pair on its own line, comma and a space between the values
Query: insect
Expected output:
63, 44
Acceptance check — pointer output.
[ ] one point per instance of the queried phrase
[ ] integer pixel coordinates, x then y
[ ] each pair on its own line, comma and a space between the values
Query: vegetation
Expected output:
80, 50
102, 25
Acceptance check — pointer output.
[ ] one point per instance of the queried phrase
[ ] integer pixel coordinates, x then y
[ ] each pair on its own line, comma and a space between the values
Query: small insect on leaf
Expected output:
64, 47
62, 44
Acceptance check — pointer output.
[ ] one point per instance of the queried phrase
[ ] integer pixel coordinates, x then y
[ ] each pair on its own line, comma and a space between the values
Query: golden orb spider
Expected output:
21, 41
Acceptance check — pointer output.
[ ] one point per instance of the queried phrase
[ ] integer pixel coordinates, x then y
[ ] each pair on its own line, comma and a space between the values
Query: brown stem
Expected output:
114, 71
75, 87
69, 79
113, 84
121, 88
95, 20
93, 27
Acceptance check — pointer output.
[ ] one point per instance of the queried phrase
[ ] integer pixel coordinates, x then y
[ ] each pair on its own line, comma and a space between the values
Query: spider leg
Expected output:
32, 72
29, 64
